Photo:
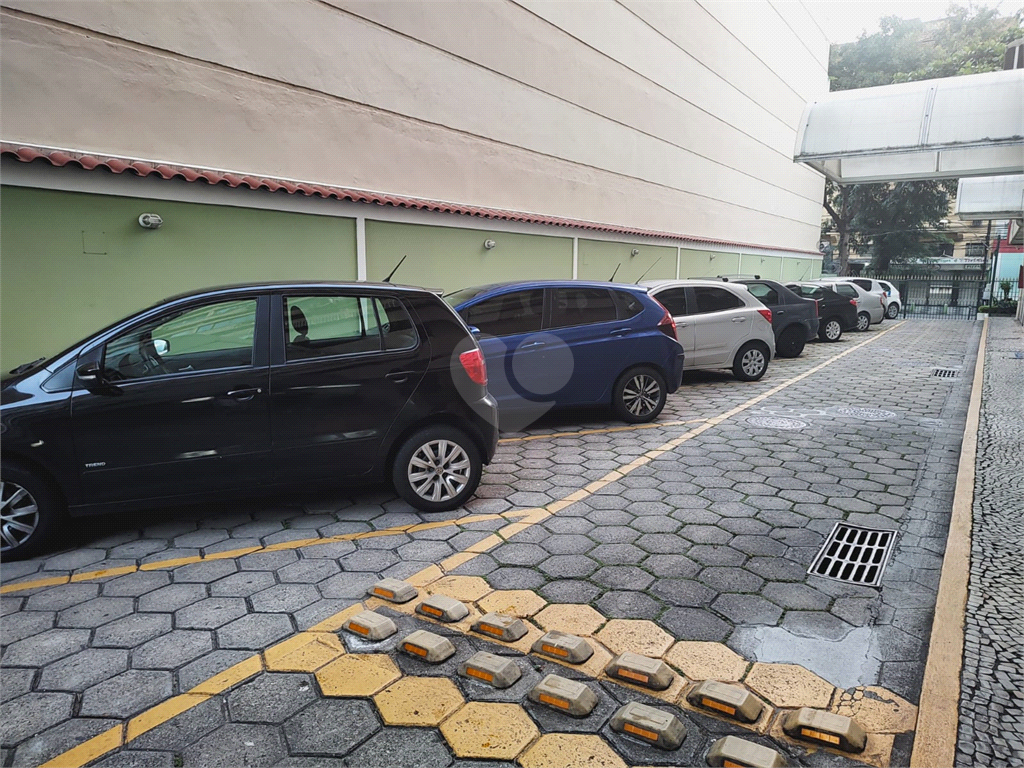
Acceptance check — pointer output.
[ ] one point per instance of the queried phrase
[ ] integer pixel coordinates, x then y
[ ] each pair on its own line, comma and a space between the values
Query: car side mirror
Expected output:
90, 372
161, 346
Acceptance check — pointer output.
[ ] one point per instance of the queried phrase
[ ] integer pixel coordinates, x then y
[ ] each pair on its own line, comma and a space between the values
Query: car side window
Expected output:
710, 299
508, 314
581, 306
765, 293
324, 326
674, 300
205, 338
865, 284
847, 290
628, 304
396, 326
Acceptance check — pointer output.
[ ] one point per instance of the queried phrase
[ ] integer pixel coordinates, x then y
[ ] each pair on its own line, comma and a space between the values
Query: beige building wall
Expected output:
673, 116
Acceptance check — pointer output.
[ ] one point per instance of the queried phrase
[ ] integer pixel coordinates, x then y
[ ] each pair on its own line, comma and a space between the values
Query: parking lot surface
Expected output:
689, 539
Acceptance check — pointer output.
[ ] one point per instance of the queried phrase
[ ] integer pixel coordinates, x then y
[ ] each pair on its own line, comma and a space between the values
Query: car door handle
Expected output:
780, 311
399, 377
534, 345
739, 319
681, 325
244, 394
619, 331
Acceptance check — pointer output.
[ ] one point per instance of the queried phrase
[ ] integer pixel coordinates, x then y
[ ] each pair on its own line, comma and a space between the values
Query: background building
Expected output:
294, 139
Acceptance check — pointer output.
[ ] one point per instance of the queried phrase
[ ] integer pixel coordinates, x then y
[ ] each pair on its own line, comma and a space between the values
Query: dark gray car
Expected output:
794, 318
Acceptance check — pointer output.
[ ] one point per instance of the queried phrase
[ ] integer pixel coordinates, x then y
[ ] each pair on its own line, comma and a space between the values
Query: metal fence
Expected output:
950, 295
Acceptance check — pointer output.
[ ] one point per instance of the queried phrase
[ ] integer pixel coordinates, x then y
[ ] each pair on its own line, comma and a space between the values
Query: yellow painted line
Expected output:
53, 581
938, 712
604, 431
160, 713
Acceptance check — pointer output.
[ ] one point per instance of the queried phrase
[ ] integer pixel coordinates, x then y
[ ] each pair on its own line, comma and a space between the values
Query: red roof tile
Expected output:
28, 154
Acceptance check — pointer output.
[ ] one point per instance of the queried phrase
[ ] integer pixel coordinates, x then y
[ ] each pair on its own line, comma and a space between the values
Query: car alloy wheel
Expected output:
439, 470
863, 321
19, 515
833, 330
892, 311
752, 362
641, 395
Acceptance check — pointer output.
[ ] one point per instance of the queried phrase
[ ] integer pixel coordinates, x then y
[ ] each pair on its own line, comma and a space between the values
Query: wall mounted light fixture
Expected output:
488, 244
150, 221
711, 257
635, 252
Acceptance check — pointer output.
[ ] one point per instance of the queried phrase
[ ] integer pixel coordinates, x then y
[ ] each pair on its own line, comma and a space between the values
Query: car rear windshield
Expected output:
466, 294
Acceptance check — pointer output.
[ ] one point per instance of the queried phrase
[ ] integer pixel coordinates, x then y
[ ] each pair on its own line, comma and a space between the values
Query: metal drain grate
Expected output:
946, 373
854, 555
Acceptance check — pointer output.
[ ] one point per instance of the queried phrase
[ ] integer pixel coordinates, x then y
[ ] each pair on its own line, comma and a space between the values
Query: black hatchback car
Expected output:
837, 313
239, 389
794, 319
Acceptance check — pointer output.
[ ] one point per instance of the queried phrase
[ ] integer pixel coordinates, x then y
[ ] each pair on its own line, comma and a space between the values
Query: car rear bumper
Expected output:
485, 420
675, 373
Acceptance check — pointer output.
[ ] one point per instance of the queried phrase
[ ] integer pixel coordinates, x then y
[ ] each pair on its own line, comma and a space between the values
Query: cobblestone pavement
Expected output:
992, 693
710, 541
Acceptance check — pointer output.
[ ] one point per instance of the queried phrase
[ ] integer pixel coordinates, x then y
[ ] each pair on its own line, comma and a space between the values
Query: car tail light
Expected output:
476, 367
667, 324
766, 314
817, 308
854, 302
881, 299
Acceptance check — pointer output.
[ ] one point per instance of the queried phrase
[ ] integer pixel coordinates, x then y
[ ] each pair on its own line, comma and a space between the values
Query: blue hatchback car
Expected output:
559, 344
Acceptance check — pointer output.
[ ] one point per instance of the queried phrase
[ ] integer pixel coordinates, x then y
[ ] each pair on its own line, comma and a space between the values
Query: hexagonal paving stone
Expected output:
357, 674
54, 741
135, 584
706, 661
308, 571
132, 630
62, 597
284, 598
489, 731
747, 609
331, 726
83, 669
32, 713
569, 566
570, 591
683, 592
465, 588
205, 572
400, 746
643, 637
418, 701
235, 744
242, 584
255, 631
307, 652
512, 602
557, 749
172, 597
271, 698
210, 613
45, 647
172, 650
128, 693
789, 685
694, 624
796, 596
24, 624
622, 577
628, 605
574, 619
727, 579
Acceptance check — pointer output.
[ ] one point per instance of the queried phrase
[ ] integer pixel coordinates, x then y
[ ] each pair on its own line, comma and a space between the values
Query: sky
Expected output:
844, 20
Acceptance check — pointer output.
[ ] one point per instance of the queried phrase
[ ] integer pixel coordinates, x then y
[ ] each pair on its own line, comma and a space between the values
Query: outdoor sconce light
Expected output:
635, 252
488, 244
711, 257
150, 221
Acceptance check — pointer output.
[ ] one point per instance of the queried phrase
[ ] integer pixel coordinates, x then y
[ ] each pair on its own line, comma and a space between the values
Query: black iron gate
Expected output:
948, 295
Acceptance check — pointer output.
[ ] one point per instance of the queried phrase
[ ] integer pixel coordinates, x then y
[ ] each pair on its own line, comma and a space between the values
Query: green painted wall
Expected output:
708, 263
452, 258
801, 269
71, 263
597, 259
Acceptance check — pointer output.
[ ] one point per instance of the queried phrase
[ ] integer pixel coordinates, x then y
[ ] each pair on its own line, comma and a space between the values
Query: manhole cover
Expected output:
854, 555
776, 422
947, 373
867, 414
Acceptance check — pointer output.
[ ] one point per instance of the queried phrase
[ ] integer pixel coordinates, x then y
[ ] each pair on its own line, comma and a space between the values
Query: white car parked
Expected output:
870, 306
720, 325
893, 300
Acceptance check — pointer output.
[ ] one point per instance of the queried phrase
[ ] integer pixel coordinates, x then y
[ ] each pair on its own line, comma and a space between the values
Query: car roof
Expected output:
289, 285
554, 283
661, 283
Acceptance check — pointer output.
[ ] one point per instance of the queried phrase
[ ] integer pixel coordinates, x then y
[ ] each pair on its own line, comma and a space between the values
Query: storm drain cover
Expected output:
946, 373
854, 555
867, 414
776, 422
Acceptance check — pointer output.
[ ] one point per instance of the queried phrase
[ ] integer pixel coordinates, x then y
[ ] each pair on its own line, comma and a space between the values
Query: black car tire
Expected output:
863, 321
791, 342
37, 491
892, 311
748, 366
639, 395
457, 462
831, 330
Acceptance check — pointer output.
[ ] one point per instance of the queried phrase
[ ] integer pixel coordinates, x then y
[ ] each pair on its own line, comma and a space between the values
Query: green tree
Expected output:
901, 221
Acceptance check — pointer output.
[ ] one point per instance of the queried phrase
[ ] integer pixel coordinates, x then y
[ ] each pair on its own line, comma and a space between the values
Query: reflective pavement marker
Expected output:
499, 671
650, 725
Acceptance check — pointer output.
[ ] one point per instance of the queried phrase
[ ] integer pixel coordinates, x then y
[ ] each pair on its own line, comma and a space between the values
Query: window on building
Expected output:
974, 249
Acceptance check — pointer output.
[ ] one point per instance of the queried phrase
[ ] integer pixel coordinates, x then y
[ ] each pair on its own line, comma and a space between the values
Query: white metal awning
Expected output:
991, 197
947, 128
